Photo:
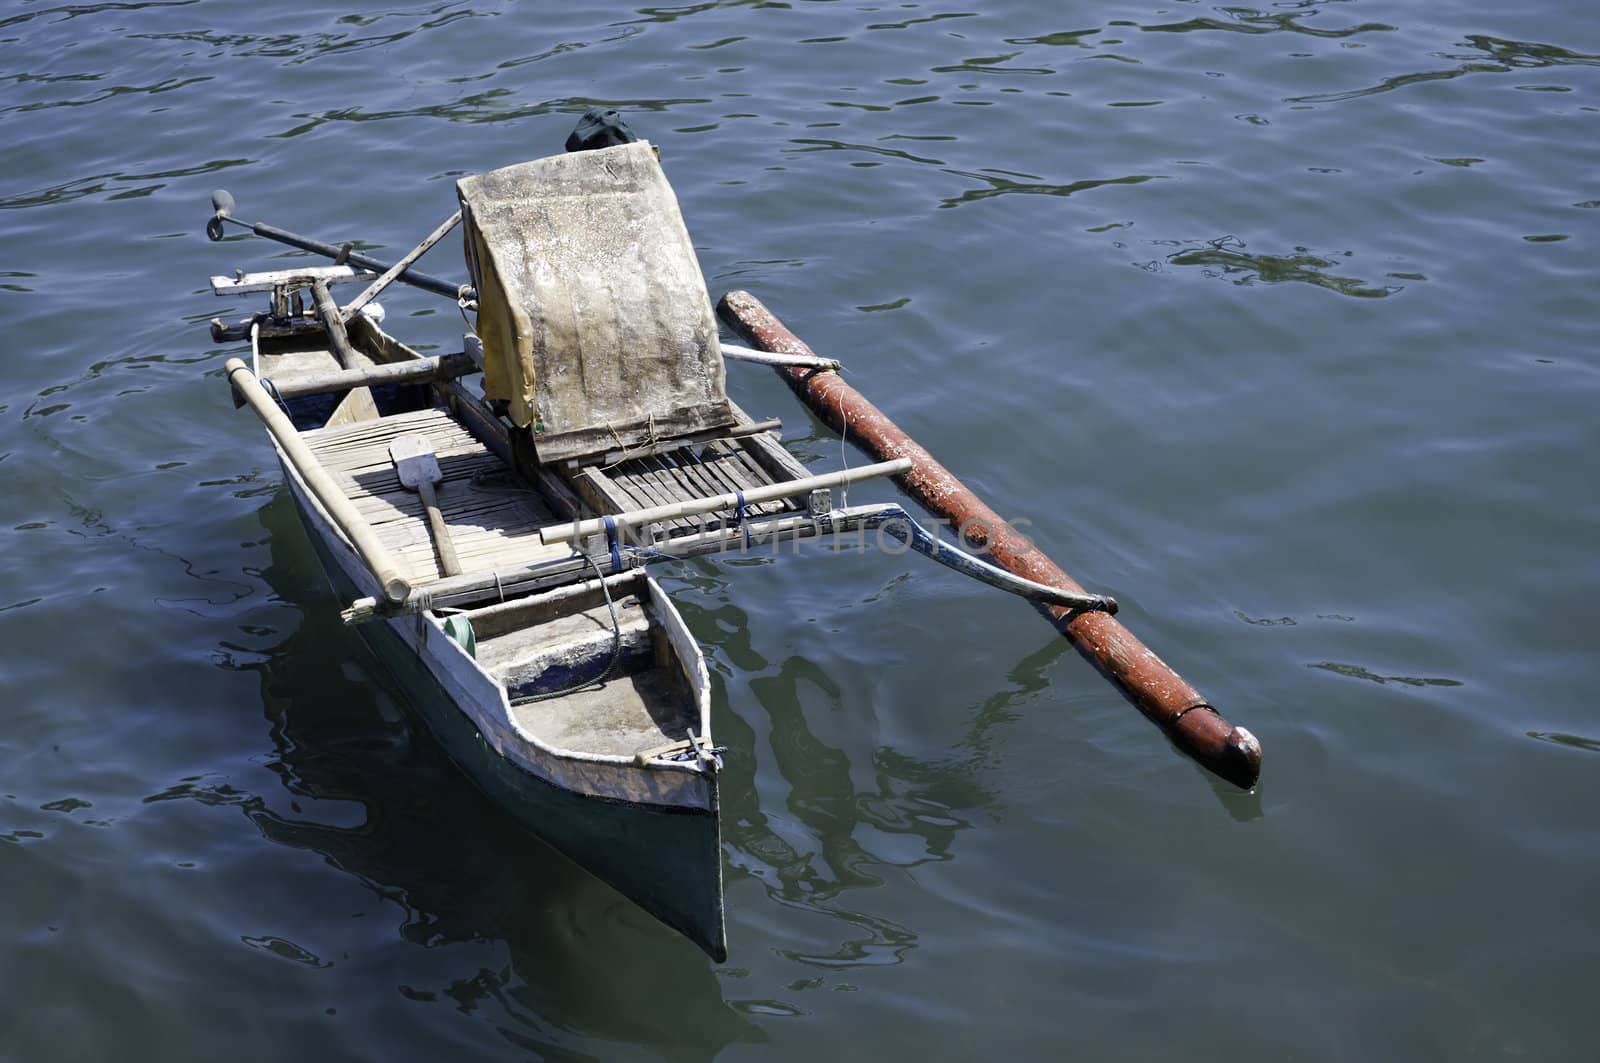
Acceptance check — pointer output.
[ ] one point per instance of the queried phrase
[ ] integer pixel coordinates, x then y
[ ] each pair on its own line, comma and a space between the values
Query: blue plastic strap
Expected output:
611, 541
740, 514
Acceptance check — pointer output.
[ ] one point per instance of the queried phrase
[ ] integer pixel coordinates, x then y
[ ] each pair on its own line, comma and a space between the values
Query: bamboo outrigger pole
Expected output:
344, 513
1185, 716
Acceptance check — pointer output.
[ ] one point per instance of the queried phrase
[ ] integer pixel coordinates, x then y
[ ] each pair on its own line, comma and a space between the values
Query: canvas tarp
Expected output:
595, 321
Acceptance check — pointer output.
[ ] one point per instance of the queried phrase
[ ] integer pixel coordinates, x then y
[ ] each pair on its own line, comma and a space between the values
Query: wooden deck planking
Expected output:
682, 475
641, 486
737, 464
490, 528
689, 480
494, 527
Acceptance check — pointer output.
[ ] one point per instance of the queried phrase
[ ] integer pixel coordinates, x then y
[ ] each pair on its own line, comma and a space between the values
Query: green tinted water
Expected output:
1277, 323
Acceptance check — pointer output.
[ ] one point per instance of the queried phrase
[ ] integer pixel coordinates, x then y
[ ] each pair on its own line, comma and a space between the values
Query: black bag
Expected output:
600, 127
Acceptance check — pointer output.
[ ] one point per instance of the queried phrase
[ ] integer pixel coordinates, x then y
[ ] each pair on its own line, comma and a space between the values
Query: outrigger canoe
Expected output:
491, 535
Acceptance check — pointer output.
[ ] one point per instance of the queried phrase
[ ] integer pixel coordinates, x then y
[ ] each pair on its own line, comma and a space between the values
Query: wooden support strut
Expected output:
1169, 702
417, 371
358, 404
394, 271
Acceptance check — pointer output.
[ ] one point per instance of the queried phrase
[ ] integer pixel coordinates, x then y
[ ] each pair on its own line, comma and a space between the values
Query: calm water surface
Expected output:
1278, 322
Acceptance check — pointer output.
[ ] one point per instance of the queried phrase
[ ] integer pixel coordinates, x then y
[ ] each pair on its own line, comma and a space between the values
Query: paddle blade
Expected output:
414, 460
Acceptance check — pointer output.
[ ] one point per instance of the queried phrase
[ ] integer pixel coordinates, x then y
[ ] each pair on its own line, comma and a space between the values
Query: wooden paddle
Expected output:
419, 471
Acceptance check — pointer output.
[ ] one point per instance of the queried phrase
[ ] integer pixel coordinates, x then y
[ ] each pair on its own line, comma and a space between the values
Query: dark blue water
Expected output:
1277, 322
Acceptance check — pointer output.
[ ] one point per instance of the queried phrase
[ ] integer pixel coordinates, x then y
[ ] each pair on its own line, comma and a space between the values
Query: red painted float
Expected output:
1181, 711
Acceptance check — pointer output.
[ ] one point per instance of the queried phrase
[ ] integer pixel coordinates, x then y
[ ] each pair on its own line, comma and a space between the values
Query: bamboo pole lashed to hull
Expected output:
1169, 702
329, 493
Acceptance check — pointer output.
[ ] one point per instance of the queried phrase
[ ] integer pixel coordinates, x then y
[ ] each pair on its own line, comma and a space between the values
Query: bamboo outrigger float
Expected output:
493, 547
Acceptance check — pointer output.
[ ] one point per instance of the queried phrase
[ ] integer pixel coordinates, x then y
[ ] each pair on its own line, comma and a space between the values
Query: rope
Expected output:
271, 388
642, 552
627, 455
740, 515
616, 646
611, 541
844, 452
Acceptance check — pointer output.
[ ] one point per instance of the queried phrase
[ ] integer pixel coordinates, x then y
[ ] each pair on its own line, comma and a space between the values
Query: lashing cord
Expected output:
616, 642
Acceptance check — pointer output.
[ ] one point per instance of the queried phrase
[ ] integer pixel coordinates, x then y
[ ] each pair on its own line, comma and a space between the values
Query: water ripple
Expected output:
154, 88
476, 108
1225, 258
942, 830
1356, 671
306, 47
1004, 186
72, 11
1251, 21
1588, 745
148, 184
1490, 55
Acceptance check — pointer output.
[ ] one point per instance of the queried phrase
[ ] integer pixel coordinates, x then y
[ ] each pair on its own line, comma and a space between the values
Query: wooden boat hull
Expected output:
666, 858
649, 829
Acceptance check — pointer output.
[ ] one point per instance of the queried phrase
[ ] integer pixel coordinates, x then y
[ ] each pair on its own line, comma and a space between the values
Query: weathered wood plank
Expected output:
768, 452
265, 282
745, 476
491, 528
791, 488
642, 477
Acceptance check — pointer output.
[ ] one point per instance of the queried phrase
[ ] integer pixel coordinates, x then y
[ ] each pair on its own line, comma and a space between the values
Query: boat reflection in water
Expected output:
459, 868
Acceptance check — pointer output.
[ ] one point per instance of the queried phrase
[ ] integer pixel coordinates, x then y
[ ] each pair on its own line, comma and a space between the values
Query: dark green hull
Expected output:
666, 860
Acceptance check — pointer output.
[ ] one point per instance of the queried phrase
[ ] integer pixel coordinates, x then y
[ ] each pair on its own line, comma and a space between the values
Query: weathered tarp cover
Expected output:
595, 321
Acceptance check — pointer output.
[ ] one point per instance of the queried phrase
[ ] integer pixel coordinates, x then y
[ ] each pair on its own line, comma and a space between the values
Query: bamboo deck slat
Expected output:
497, 527
491, 528
684, 475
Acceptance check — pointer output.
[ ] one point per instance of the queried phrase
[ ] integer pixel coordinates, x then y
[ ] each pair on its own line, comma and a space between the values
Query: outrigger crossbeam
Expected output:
851, 523
1181, 711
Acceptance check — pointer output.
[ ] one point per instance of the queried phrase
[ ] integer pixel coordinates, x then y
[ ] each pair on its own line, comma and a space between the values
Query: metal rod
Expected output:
342, 253
892, 519
774, 358
898, 523
1185, 716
